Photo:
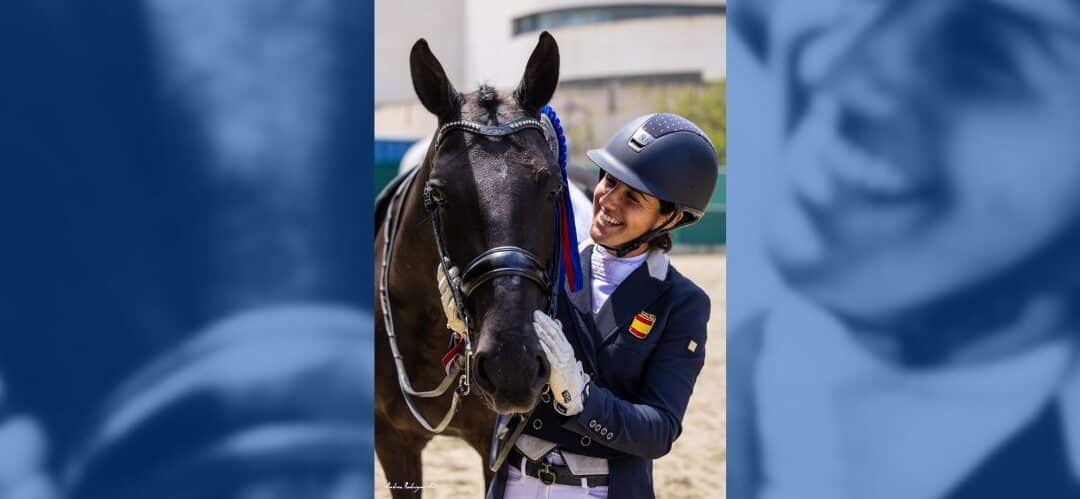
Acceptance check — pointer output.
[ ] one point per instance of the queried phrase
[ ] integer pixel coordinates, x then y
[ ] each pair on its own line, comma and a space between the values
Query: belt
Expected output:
554, 473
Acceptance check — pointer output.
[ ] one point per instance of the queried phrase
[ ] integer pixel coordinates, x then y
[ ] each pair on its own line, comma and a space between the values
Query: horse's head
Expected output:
497, 187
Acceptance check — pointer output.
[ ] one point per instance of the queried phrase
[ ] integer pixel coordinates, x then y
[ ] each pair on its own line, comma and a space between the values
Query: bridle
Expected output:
492, 263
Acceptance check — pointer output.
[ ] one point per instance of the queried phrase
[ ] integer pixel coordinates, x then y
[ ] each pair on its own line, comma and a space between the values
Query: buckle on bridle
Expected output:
544, 473
464, 386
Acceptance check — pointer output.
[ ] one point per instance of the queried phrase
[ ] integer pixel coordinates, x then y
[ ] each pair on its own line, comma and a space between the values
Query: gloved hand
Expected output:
446, 295
567, 380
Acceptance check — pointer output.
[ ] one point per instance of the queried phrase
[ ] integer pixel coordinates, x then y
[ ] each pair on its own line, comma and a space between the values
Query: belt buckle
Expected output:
544, 472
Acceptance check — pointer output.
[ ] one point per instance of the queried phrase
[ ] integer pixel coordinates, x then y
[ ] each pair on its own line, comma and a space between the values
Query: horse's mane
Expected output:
487, 98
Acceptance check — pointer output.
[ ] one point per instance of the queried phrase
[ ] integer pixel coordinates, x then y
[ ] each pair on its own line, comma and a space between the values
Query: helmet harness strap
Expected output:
628, 247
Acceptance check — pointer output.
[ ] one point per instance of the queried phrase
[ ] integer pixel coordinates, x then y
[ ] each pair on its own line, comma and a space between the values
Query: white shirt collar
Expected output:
657, 260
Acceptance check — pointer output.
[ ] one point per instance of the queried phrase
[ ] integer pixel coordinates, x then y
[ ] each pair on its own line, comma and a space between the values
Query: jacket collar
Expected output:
582, 299
658, 263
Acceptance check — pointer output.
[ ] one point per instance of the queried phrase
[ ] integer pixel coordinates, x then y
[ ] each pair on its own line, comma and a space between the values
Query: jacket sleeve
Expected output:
648, 426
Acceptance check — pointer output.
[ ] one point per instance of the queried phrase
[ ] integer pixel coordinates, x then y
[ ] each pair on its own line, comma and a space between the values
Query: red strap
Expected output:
451, 355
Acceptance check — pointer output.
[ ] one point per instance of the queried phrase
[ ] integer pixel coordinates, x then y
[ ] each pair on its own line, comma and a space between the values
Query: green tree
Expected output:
707, 107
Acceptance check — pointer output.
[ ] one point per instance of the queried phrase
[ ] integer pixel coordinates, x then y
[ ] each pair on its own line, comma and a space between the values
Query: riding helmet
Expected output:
664, 155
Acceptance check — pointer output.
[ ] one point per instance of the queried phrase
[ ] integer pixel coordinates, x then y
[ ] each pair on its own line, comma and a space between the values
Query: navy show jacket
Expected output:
641, 383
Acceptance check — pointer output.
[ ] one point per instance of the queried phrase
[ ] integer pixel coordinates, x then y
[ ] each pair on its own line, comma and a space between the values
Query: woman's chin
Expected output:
600, 237
608, 235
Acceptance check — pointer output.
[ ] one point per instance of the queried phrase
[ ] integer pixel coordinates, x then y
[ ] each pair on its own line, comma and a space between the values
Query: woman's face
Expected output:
621, 214
927, 145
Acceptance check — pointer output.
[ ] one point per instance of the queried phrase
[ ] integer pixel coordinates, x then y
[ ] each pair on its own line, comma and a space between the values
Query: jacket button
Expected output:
592, 424
611, 435
585, 441
537, 424
603, 431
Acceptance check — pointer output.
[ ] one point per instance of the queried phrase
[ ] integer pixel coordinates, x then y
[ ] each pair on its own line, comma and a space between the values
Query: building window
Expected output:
579, 16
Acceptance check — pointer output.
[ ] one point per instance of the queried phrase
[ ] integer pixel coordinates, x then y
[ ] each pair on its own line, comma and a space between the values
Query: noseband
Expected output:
490, 264
504, 260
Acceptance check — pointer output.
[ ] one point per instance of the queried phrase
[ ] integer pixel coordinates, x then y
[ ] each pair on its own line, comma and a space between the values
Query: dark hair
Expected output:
663, 241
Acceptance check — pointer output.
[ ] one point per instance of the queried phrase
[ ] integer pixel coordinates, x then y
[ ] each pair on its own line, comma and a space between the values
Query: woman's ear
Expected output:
669, 221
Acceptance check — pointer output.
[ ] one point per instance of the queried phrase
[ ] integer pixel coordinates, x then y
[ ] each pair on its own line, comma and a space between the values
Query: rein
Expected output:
454, 370
492, 263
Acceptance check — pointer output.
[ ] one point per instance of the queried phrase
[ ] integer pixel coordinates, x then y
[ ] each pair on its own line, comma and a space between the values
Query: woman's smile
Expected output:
603, 219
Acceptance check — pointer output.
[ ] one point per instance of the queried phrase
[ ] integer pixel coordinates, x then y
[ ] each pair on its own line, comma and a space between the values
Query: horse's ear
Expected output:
432, 86
541, 74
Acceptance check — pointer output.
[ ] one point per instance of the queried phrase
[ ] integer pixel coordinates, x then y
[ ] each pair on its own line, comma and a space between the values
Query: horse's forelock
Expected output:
489, 107
487, 96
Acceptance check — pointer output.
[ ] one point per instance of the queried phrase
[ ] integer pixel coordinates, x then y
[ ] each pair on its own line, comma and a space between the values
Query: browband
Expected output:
491, 130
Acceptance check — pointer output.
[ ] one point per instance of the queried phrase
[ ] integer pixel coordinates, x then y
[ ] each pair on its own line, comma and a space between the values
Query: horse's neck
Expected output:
414, 240
413, 286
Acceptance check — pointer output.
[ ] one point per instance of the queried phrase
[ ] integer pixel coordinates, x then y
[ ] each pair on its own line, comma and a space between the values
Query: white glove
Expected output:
567, 380
446, 295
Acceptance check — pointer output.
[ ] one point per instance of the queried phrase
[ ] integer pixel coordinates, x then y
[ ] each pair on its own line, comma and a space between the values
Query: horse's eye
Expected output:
436, 194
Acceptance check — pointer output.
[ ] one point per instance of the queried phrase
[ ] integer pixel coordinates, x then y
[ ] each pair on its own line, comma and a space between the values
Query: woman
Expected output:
628, 346
925, 224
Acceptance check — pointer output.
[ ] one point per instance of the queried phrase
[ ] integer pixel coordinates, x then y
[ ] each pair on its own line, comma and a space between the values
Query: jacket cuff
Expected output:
593, 408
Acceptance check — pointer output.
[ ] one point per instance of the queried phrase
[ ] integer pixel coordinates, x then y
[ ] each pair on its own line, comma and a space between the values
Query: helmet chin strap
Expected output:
628, 247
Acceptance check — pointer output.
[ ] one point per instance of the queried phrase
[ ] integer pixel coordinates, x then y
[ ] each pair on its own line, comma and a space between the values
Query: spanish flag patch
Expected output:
642, 324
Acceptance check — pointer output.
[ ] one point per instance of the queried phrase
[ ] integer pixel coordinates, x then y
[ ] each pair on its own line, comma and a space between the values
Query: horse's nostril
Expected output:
482, 374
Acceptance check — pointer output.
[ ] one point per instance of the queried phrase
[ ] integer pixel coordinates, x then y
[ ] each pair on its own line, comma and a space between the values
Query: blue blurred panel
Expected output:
903, 279
390, 150
388, 155
185, 266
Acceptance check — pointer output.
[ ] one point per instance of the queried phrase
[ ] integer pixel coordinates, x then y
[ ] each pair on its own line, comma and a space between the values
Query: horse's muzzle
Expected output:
511, 379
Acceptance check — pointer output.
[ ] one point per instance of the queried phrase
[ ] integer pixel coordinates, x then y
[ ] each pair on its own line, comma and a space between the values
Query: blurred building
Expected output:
619, 59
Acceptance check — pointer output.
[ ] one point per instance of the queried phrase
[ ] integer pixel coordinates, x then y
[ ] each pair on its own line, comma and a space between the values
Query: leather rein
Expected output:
492, 263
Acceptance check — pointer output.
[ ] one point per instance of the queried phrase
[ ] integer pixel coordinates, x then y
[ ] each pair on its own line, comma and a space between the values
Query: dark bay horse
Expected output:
491, 181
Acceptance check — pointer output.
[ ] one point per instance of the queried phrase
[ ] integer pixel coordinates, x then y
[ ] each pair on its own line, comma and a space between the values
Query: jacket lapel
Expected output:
640, 289
582, 299
583, 333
